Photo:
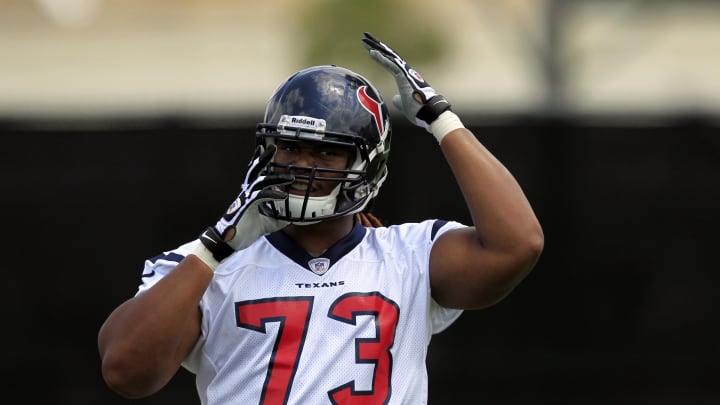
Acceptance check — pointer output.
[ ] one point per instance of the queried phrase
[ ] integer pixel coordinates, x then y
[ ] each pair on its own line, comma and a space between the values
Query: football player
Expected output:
289, 298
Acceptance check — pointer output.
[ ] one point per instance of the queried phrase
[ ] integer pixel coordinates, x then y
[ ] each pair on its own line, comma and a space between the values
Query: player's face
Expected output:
312, 155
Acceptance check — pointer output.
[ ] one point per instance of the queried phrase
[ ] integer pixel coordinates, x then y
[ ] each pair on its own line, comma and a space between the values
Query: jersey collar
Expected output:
292, 250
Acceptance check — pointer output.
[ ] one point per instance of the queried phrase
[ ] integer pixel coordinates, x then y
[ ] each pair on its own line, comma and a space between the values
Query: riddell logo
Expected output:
302, 121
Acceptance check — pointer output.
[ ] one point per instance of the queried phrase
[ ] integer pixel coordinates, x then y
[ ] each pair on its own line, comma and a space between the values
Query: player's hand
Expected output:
420, 103
243, 224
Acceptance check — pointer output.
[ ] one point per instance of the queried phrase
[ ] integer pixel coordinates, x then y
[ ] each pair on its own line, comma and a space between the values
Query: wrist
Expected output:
445, 123
214, 243
432, 109
204, 254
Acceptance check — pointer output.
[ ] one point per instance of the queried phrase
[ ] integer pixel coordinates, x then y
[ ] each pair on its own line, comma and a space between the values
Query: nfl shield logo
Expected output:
319, 265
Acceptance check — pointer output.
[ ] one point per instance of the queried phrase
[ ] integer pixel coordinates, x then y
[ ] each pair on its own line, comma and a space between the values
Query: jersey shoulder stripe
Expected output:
167, 256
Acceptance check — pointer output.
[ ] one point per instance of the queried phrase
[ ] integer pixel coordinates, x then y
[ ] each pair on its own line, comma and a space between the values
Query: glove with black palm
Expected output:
242, 224
418, 101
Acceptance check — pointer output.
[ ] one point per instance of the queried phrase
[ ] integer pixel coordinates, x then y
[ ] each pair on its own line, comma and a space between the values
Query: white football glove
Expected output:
417, 100
243, 216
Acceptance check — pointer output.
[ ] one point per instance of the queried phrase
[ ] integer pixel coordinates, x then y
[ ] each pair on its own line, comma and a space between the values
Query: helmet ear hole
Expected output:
377, 168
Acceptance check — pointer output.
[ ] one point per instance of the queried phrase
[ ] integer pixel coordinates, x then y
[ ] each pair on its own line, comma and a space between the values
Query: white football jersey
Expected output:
349, 327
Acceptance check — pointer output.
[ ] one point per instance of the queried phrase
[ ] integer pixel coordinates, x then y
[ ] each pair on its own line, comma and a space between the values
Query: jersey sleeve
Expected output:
157, 267
442, 317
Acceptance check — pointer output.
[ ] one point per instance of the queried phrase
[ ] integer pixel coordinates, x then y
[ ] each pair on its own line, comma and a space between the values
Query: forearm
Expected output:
143, 341
499, 209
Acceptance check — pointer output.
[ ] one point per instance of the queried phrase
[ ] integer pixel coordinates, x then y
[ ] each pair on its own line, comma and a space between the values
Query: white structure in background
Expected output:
70, 13
212, 58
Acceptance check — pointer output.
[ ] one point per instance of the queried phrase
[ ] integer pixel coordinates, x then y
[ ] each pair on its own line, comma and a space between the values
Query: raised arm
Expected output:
478, 266
144, 341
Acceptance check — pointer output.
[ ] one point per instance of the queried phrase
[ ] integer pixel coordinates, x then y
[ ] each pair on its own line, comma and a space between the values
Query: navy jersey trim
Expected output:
297, 254
436, 227
171, 257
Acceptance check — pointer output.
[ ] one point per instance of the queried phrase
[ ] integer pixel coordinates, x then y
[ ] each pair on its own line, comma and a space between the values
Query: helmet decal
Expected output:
373, 107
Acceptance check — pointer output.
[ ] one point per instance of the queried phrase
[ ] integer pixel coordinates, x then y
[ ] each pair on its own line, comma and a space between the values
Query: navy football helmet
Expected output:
329, 104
